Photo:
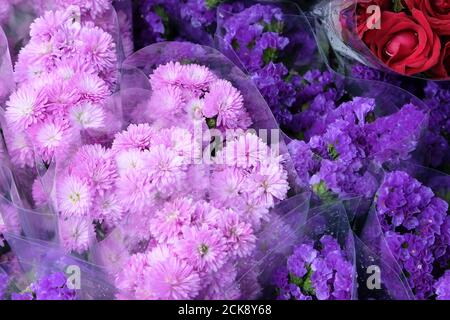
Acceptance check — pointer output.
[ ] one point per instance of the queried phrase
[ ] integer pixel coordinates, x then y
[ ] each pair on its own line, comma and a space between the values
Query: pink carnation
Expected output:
135, 137
74, 197
76, 233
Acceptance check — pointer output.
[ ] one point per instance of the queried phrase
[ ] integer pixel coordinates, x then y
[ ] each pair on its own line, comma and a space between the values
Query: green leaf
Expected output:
211, 4
332, 152
295, 280
270, 55
397, 5
211, 122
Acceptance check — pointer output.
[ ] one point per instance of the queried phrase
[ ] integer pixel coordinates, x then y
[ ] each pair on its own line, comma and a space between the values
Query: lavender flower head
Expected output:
316, 271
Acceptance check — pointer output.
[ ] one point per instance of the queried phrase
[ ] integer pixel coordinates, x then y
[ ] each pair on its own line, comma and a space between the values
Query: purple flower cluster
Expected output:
416, 227
347, 140
316, 270
49, 287
4, 282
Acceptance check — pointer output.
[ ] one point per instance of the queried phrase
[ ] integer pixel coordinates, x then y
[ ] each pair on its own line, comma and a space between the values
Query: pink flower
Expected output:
91, 87
221, 285
269, 182
87, 116
132, 273
226, 185
205, 214
197, 77
224, 102
97, 48
246, 151
240, 238
95, 165
74, 197
169, 74
46, 26
19, 148
135, 190
49, 136
203, 248
170, 279
25, 107
168, 222
76, 233
165, 168
131, 159
135, 137
107, 208
165, 103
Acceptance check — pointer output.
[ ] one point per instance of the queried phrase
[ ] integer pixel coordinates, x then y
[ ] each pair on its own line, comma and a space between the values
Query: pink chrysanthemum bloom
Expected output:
252, 209
19, 148
107, 208
49, 136
182, 143
221, 285
204, 248
132, 273
194, 109
132, 159
205, 214
25, 107
137, 136
246, 151
73, 196
92, 8
169, 74
226, 185
168, 222
76, 233
135, 190
91, 87
97, 48
240, 238
87, 116
165, 168
197, 77
269, 182
170, 279
224, 102
46, 26
165, 103
96, 166
40, 196
60, 94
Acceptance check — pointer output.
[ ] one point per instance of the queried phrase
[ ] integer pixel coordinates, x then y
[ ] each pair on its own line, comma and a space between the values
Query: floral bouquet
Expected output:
409, 223
408, 37
322, 263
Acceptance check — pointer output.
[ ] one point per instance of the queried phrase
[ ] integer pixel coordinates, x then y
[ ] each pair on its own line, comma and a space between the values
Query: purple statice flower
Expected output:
393, 138
315, 270
437, 140
361, 71
442, 287
53, 287
347, 141
4, 282
416, 228
200, 13
255, 34
279, 91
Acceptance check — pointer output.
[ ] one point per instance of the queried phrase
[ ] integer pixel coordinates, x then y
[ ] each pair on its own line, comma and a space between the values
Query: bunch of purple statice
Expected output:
50, 287
271, 54
64, 74
316, 270
442, 287
348, 140
196, 208
417, 231
4, 283
162, 20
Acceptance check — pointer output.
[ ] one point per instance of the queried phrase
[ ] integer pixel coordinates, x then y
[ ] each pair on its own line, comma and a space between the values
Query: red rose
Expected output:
406, 44
442, 69
437, 13
363, 16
